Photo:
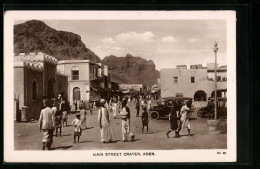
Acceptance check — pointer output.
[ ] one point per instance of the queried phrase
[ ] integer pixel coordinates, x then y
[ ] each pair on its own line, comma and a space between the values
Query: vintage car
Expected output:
163, 108
221, 108
209, 110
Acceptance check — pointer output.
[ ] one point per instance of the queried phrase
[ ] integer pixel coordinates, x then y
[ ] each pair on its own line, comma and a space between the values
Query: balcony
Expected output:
94, 77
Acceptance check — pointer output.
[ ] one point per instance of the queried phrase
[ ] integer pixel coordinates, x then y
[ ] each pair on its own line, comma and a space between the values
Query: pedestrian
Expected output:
46, 123
145, 119
104, 123
63, 109
149, 106
127, 126
94, 105
173, 121
76, 123
185, 116
115, 109
83, 114
137, 107
142, 103
76, 105
88, 107
58, 122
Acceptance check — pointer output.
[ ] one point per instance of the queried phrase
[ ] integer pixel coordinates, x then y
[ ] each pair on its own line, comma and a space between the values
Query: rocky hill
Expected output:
130, 69
36, 36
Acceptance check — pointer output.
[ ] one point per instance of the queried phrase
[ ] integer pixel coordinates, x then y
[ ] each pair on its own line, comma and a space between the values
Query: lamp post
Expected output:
215, 48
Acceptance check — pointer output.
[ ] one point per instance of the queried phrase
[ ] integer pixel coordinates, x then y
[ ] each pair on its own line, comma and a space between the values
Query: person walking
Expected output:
149, 106
115, 109
63, 109
104, 122
83, 114
125, 126
145, 120
88, 107
142, 103
46, 123
185, 116
173, 121
76, 123
137, 107
125, 114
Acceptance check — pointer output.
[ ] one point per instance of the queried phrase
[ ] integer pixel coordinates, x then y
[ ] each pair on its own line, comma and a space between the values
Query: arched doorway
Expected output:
218, 94
76, 94
50, 89
200, 95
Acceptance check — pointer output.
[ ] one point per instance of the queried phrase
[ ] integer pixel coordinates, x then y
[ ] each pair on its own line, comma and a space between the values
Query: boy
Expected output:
58, 121
145, 120
77, 127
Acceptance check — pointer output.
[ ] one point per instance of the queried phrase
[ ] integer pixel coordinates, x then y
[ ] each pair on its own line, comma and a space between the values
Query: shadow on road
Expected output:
88, 128
62, 147
85, 141
67, 125
115, 141
66, 135
135, 140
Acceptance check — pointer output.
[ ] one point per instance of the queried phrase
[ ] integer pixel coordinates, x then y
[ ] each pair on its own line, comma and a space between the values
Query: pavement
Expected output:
27, 136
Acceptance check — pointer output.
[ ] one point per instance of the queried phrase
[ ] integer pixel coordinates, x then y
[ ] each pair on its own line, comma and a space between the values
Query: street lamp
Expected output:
215, 48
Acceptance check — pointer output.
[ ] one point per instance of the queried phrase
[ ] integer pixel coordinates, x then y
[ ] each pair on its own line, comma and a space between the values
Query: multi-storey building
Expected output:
87, 80
194, 83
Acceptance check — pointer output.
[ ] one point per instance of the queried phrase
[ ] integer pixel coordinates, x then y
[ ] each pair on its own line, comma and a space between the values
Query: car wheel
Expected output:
199, 113
154, 115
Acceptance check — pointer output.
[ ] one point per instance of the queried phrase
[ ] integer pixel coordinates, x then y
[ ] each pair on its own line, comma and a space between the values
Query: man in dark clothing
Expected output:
137, 106
173, 122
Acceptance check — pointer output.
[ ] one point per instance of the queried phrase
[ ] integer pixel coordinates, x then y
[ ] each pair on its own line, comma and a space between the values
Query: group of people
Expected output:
50, 112
54, 116
104, 119
179, 119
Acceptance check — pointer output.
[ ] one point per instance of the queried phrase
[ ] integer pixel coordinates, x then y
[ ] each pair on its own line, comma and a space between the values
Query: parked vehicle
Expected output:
209, 110
163, 108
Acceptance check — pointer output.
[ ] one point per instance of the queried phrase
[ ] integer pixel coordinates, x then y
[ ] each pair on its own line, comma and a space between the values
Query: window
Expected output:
175, 79
34, 90
218, 78
75, 73
192, 79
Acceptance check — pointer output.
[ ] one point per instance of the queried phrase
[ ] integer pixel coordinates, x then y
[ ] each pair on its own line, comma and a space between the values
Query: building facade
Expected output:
192, 83
35, 76
87, 81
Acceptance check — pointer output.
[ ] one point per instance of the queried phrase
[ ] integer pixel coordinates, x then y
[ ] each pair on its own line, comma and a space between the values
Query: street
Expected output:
27, 136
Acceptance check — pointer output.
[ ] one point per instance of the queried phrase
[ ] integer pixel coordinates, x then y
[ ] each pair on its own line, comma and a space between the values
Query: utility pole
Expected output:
215, 50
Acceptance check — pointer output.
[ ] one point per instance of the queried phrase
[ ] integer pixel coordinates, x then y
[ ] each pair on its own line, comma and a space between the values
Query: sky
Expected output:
167, 42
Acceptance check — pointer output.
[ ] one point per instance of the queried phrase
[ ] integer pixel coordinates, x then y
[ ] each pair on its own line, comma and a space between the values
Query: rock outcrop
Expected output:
36, 36
130, 69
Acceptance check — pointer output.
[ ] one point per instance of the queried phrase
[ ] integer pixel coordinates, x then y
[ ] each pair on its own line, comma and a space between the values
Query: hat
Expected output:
103, 101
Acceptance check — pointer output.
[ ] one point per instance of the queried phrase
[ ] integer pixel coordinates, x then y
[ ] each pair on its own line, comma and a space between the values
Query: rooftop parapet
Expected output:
33, 57
29, 65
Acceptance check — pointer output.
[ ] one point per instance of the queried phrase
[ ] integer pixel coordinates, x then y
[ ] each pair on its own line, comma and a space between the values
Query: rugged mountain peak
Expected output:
131, 69
36, 36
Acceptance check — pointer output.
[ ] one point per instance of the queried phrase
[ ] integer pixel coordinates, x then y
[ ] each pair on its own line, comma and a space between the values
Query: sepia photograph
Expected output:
120, 86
